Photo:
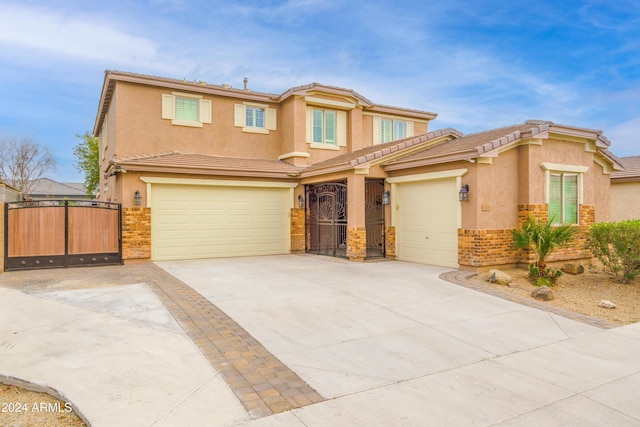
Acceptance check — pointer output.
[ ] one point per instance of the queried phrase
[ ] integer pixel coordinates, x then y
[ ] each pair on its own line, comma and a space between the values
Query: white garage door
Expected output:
427, 222
207, 222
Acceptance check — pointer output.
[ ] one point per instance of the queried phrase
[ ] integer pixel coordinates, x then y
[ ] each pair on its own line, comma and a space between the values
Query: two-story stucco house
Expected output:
212, 171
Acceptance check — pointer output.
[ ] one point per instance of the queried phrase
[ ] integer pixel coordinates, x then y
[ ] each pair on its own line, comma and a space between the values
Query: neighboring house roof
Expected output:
631, 172
45, 187
489, 143
111, 77
369, 154
190, 163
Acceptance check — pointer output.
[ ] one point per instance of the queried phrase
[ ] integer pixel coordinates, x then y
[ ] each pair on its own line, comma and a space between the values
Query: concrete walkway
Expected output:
386, 343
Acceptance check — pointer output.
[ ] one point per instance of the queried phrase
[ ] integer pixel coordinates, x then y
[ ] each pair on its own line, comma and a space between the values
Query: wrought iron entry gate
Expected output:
374, 217
61, 233
327, 219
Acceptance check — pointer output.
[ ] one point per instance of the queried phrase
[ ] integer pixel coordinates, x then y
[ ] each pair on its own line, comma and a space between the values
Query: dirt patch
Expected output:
581, 293
21, 407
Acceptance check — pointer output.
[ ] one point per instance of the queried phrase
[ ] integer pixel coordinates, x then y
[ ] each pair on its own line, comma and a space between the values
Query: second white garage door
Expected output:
212, 221
427, 222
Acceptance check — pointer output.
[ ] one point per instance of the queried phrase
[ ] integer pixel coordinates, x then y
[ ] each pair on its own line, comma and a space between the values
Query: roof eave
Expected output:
202, 170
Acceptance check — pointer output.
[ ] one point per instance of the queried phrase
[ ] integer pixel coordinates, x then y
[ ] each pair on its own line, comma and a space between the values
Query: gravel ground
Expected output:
26, 408
582, 293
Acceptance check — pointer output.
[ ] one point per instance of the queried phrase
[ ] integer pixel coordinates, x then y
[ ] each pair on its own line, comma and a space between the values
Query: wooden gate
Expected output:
61, 233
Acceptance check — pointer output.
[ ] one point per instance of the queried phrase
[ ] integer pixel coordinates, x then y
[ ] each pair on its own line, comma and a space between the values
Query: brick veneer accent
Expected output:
390, 241
479, 248
297, 230
356, 243
136, 233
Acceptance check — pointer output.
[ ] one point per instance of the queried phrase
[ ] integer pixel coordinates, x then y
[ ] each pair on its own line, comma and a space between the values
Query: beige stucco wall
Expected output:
142, 130
625, 201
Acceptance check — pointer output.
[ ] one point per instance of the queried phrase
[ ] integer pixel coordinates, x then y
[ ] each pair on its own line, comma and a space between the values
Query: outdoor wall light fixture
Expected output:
137, 198
300, 201
464, 193
385, 197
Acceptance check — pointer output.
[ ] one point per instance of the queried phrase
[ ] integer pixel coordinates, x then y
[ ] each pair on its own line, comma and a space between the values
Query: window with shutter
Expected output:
185, 109
387, 129
254, 118
326, 127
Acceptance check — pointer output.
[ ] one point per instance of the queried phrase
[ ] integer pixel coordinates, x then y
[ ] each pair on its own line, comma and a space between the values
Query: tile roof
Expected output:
46, 186
368, 154
481, 143
631, 170
175, 161
111, 76
476, 144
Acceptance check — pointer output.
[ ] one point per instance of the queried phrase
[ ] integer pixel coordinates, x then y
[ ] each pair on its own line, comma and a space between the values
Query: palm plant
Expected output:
543, 237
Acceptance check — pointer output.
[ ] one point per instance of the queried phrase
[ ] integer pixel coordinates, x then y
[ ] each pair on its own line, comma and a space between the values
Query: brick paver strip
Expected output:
262, 383
460, 277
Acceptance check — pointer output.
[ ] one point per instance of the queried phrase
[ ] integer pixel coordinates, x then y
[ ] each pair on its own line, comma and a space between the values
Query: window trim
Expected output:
340, 126
409, 127
240, 118
562, 170
169, 109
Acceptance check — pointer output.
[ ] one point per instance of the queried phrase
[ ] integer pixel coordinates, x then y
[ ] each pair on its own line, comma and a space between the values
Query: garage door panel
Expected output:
427, 222
208, 222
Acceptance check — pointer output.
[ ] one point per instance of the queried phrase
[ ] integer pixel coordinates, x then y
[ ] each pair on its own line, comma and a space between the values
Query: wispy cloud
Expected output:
75, 36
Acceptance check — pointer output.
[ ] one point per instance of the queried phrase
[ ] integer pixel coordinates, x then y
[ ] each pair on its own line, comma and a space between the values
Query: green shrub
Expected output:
543, 237
617, 246
543, 281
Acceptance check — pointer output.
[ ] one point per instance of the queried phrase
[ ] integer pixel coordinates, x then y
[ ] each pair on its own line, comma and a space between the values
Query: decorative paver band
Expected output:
460, 277
262, 383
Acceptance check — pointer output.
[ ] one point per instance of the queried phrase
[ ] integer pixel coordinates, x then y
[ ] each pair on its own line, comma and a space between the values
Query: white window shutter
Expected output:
168, 107
376, 130
341, 125
205, 111
239, 112
271, 119
309, 125
409, 129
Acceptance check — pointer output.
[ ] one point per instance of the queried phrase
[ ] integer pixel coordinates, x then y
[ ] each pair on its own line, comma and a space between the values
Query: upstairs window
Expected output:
186, 109
326, 128
254, 117
388, 129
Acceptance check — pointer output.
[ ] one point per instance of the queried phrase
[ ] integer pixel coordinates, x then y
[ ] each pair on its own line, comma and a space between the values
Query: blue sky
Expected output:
478, 64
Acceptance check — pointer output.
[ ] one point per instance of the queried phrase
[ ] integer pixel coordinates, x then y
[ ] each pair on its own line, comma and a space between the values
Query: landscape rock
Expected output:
606, 304
543, 293
573, 268
499, 277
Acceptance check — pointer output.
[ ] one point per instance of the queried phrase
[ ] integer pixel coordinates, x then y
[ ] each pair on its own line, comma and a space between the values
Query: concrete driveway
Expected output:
382, 343
390, 343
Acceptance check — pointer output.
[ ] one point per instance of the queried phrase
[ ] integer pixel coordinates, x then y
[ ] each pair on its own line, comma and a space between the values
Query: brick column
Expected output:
390, 241
356, 230
297, 230
136, 233
356, 243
